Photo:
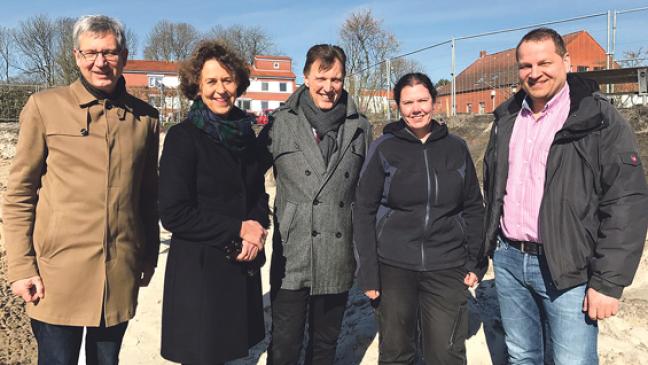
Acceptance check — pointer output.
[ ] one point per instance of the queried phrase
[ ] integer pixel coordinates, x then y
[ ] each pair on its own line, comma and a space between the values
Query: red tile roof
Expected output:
271, 73
279, 58
151, 66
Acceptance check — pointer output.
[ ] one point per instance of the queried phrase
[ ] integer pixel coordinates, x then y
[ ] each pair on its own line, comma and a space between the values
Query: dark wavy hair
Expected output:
191, 68
411, 79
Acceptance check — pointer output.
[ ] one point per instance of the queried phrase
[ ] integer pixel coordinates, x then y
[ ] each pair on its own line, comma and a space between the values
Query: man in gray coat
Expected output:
316, 144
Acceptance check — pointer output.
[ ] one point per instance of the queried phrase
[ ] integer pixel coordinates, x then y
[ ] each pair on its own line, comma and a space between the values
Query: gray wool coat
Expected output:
312, 242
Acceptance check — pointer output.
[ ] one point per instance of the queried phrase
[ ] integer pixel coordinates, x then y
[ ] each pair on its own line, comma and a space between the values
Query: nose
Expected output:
100, 60
535, 72
327, 86
220, 88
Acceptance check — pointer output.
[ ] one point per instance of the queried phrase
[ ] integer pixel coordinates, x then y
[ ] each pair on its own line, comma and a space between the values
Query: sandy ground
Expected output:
623, 339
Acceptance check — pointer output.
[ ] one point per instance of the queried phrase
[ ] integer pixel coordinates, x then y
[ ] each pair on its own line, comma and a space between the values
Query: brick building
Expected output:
272, 81
493, 78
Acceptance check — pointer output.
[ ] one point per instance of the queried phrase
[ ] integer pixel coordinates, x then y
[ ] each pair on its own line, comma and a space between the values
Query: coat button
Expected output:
108, 106
314, 233
307, 172
338, 235
84, 132
316, 202
341, 204
346, 174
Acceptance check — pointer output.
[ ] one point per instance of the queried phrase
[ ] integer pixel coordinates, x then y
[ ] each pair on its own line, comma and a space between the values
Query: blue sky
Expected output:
296, 25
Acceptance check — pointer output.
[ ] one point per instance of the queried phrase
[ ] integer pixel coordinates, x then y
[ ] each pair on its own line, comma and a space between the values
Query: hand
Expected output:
147, 274
599, 306
31, 290
372, 294
471, 279
254, 233
248, 252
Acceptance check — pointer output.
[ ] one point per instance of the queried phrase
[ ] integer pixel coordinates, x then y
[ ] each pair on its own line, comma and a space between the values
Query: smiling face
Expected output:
416, 107
217, 87
325, 86
542, 71
100, 73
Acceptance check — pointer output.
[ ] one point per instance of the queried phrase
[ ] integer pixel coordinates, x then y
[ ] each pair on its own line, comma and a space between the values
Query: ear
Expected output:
567, 61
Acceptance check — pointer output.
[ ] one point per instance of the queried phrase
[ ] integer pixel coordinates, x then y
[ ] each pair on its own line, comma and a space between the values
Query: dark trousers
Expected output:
290, 308
437, 300
60, 345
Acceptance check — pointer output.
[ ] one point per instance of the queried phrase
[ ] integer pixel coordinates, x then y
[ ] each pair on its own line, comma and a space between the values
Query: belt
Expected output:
531, 248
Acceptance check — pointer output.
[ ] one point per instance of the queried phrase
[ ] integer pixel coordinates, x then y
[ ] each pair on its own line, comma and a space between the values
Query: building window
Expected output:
282, 103
482, 107
275, 65
581, 68
155, 81
264, 105
264, 86
243, 104
283, 87
469, 108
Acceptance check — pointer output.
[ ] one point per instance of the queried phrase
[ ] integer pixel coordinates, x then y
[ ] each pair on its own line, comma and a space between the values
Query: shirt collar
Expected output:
561, 95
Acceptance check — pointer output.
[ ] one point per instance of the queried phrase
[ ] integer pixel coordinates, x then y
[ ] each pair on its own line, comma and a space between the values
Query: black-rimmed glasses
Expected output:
108, 55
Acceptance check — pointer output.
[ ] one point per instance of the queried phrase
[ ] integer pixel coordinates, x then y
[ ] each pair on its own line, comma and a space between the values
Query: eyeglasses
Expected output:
108, 55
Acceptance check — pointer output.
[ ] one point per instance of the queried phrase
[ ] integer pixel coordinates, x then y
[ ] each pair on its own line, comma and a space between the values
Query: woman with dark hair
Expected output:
212, 200
418, 231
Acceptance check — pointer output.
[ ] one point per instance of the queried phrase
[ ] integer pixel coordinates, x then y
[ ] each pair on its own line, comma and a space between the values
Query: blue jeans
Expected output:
535, 313
59, 345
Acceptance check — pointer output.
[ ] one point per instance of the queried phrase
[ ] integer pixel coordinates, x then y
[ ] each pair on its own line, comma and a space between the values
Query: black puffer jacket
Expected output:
593, 214
418, 205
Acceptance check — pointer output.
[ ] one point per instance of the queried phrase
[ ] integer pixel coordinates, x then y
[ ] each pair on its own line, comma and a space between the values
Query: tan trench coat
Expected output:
81, 204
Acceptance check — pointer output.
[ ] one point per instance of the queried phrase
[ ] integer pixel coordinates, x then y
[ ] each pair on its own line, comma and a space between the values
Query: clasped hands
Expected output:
253, 237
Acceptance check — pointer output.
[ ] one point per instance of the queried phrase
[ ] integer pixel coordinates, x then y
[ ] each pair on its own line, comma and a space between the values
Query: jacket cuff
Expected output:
24, 271
478, 268
605, 287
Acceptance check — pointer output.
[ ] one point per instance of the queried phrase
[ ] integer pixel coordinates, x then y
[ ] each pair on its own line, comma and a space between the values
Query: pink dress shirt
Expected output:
528, 152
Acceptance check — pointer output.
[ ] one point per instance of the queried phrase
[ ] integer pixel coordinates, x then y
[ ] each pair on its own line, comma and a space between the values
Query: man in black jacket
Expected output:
566, 203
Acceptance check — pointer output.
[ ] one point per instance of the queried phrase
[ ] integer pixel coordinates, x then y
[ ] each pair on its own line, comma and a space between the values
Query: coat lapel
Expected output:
348, 131
306, 142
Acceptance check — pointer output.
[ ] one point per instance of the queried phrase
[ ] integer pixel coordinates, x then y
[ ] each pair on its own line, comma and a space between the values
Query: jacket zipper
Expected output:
383, 222
427, 208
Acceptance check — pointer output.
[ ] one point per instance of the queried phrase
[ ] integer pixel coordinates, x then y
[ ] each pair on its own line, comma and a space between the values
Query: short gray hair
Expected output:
99, 24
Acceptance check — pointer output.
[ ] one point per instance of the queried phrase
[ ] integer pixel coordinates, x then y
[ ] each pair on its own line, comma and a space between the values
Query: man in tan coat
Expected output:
80, 210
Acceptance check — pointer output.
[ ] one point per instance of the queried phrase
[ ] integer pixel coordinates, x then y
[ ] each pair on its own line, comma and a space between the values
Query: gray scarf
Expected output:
325, 122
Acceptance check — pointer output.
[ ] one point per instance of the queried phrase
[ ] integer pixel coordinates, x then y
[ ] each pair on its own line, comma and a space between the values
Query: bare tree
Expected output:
35, 38
170, 41
66, 68
367, 46
7, 46
132, 41
634, 58
247, 41
402, 66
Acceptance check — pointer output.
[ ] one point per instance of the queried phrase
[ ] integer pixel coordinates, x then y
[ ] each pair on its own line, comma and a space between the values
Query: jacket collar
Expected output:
399, 129
86, 99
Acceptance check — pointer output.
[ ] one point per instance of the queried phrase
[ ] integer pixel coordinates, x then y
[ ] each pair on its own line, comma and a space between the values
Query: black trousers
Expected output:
60, 345
290, 309
437, 300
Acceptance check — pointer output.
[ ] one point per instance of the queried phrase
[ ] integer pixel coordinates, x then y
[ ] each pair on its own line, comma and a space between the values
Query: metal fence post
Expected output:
453, 89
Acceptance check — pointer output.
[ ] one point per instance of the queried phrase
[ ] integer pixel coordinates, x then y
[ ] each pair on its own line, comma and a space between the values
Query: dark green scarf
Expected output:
234, 132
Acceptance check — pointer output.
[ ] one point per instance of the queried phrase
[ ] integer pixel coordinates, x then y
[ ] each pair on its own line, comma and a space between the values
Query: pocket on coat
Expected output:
45, 241
286, 220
